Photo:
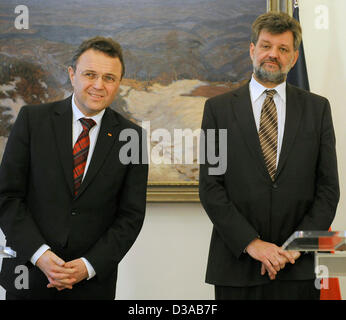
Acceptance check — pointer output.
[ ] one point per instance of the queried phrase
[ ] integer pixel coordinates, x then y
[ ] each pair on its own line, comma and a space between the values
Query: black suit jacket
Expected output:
245, 203
37, 204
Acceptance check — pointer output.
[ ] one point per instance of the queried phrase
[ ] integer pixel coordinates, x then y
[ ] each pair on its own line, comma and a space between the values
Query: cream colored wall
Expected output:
168, 260
326, 63
324, 36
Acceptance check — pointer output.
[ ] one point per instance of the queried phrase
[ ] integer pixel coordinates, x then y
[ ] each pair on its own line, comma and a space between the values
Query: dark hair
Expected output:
106, 45
276, 23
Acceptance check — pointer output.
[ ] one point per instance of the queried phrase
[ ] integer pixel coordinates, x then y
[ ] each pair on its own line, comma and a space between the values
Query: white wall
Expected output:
324, 36
326, 63
168, 260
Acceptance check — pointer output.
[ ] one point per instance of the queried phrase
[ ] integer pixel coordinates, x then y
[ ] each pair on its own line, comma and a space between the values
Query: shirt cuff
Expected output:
90, 269
39, 253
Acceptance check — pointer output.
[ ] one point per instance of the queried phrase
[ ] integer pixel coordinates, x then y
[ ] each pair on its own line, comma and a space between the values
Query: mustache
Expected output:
271, 60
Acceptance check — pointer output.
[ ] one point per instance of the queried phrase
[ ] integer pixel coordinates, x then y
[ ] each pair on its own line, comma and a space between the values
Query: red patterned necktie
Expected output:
268, 132
80, 152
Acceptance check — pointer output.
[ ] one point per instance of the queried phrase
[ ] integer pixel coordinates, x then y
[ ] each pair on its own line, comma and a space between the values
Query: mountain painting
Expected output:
178, 53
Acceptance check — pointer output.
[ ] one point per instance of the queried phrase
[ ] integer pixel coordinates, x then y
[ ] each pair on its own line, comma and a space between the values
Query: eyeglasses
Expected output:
107, 78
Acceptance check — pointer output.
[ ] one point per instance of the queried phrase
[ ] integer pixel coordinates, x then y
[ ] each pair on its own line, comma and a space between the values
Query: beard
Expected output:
264, 75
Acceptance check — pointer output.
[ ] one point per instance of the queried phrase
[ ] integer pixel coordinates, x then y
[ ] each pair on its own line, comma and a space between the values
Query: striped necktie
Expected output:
80, 152
268, 132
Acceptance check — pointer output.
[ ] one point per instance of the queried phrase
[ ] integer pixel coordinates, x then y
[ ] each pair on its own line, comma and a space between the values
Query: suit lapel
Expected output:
62, 124
105, 141
292, 121
245, 117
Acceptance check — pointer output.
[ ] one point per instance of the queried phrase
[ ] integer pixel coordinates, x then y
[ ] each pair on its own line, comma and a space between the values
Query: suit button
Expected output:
275, 186
73, 213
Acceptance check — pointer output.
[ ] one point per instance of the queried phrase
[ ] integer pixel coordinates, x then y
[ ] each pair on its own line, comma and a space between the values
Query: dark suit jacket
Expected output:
37, 205
244, 202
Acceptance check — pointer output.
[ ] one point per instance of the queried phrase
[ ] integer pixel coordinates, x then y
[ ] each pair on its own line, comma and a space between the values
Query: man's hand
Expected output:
273, 258
58, 275
294, 254
80, 270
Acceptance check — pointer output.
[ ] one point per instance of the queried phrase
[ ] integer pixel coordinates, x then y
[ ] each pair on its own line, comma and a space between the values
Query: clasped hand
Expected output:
60, 274
273, 258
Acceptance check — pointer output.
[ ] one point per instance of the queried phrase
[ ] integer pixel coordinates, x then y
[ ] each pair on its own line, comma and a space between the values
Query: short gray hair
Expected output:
276, 23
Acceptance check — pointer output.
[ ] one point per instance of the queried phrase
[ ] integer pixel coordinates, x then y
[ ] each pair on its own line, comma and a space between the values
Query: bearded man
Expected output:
281, 173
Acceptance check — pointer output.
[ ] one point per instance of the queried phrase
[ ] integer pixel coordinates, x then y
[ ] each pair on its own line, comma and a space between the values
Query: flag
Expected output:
298, 76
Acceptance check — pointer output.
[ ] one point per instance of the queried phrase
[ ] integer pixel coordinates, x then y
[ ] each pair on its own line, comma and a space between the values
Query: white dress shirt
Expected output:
258, 95
77, 128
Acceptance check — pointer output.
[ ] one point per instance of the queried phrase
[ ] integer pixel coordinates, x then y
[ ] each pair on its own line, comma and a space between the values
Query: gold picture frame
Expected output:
281, 5
172, 192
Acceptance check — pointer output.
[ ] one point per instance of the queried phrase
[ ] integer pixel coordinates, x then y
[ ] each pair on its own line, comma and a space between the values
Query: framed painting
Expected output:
178, 53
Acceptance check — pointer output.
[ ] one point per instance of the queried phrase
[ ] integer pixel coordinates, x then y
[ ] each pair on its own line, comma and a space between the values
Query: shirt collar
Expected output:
257, 89
77, 114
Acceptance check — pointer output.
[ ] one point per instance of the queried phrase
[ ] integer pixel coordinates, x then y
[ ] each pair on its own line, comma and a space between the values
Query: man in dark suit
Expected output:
71, 204
281, 173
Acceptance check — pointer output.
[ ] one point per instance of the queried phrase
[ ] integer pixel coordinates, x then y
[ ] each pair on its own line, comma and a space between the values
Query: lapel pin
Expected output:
109, 134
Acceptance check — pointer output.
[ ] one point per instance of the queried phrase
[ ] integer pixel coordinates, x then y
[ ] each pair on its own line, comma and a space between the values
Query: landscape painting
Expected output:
178, 53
